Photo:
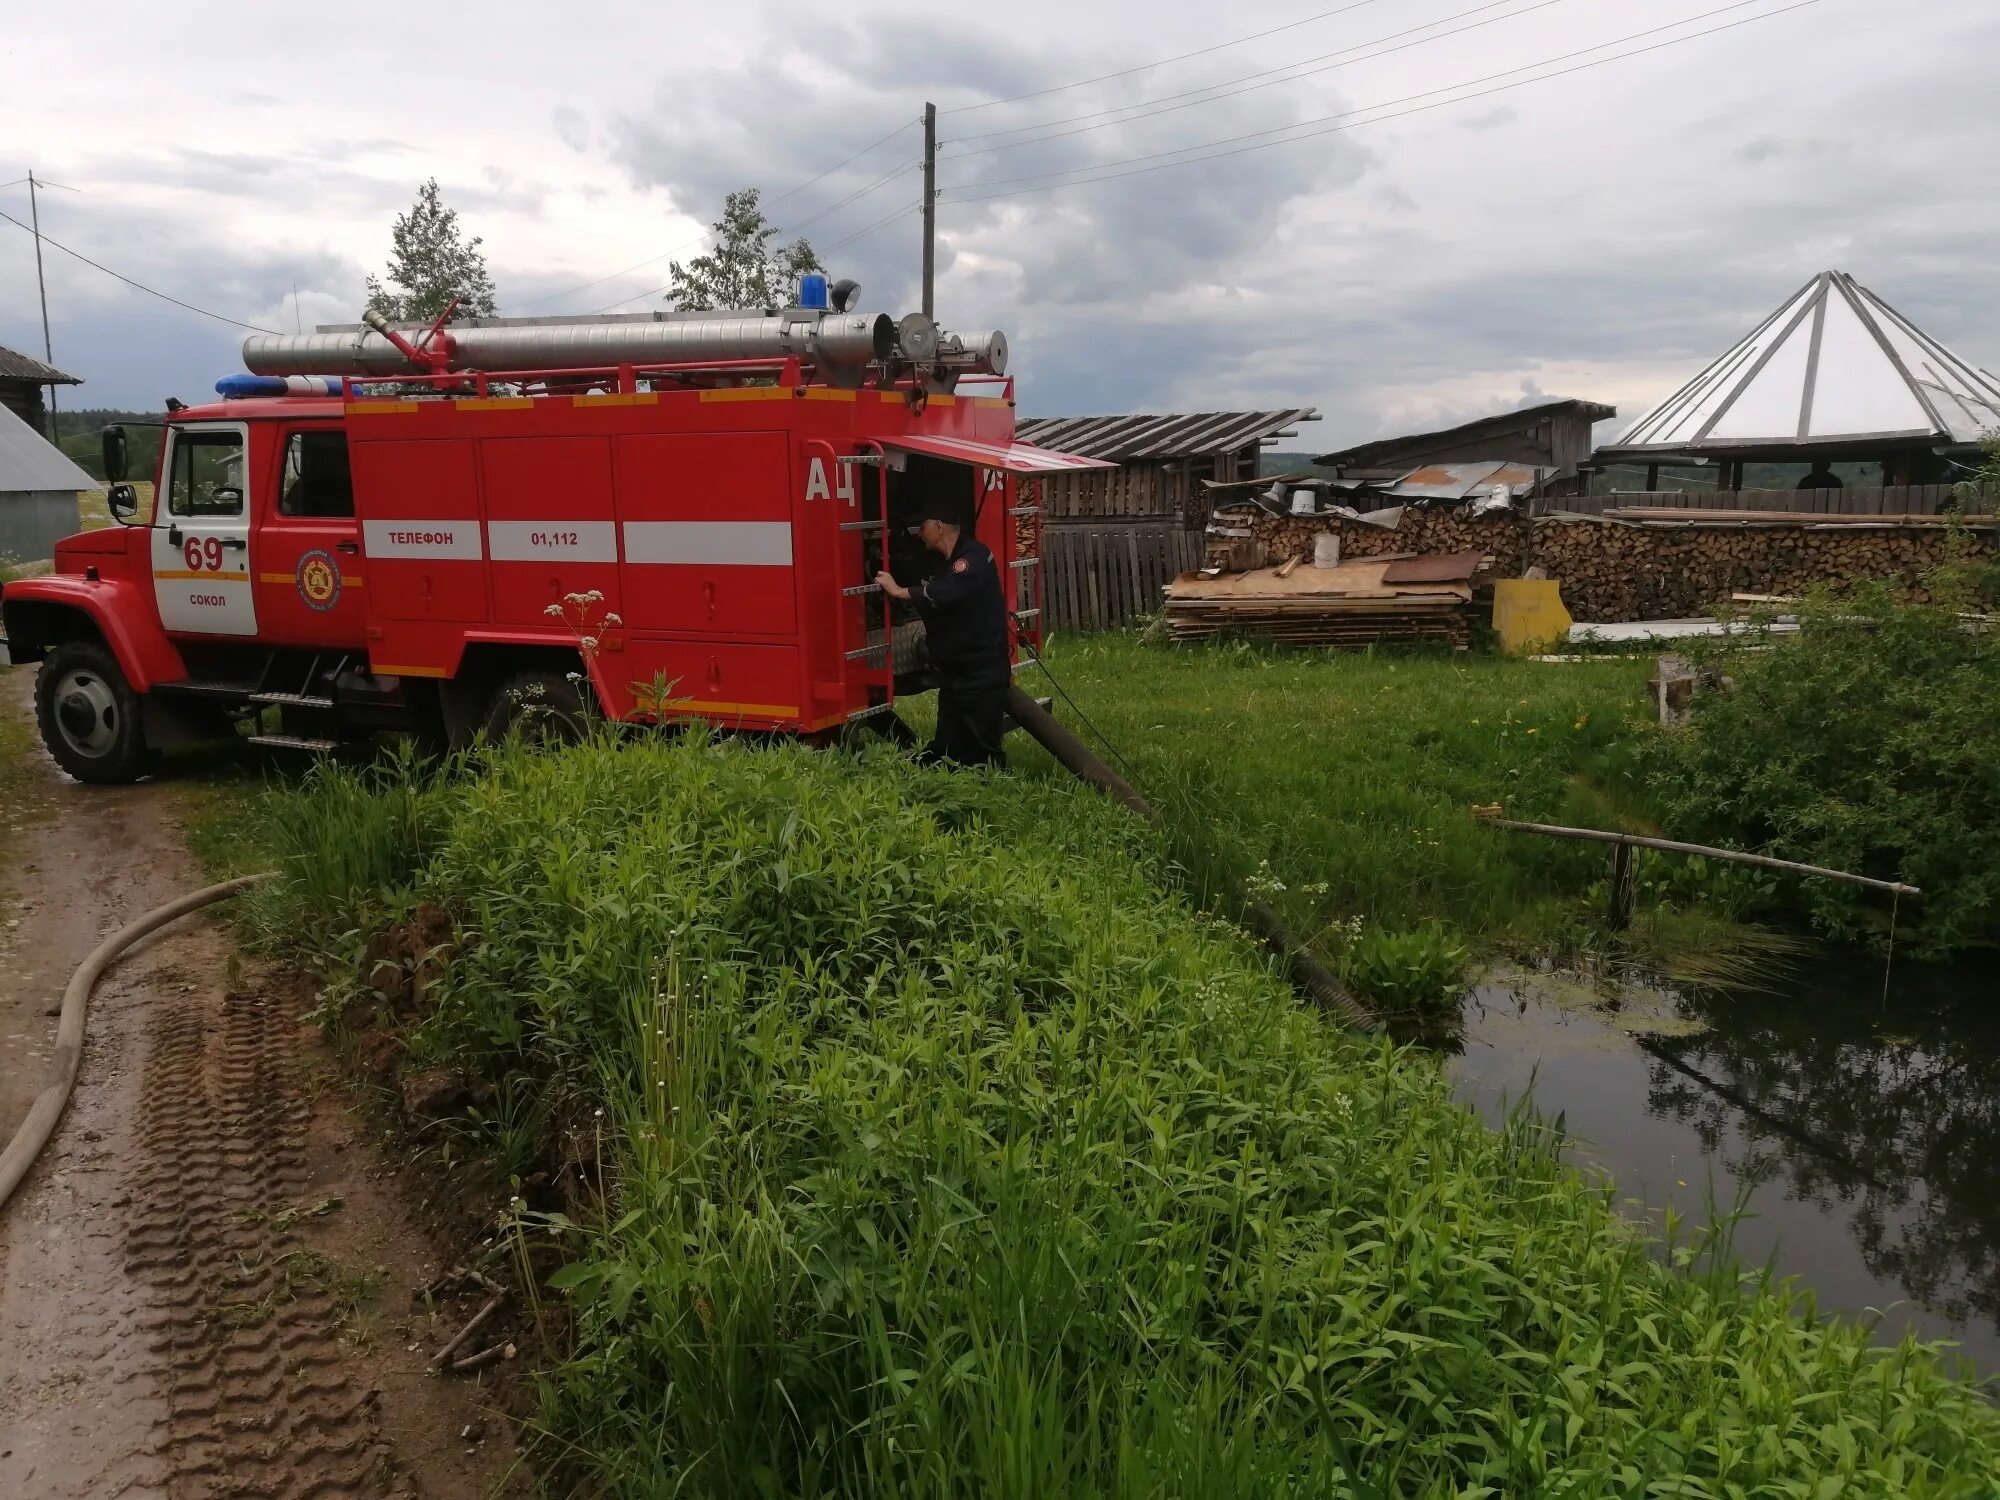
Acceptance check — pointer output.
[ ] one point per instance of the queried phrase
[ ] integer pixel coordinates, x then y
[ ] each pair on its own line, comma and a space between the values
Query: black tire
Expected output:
543, 706
89, 716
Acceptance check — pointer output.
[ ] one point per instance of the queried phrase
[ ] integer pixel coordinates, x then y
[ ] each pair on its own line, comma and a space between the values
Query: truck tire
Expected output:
89, 716
541, 705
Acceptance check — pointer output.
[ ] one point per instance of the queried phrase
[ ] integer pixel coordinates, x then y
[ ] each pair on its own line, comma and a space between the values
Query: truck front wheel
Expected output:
89, 716
543, 707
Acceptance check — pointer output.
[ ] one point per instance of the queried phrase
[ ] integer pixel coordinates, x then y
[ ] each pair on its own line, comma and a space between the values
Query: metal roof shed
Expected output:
1835, 372
38, 490
1160, 458
1552, 434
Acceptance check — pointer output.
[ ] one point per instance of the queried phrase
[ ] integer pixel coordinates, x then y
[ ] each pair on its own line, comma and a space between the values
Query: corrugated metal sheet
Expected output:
1462, 481
29, 461
17, 366
1154, 438
1834, 364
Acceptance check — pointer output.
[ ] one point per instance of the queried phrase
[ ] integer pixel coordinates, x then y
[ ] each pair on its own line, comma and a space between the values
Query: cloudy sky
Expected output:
1358, 209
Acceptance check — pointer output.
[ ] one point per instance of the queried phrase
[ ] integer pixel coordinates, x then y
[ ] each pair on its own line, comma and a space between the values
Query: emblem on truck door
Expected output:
319, 580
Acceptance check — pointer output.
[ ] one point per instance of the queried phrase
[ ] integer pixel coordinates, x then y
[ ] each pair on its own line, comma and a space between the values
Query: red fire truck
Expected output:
447, 530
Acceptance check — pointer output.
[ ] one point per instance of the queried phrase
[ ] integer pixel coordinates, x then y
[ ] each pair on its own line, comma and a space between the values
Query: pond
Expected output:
1861, 1133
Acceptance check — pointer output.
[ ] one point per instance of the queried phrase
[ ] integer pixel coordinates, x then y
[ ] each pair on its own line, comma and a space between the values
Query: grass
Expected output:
946, 1151
1340, 786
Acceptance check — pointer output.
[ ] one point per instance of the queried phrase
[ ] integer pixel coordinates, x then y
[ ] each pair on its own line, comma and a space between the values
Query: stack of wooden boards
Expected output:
1411, 598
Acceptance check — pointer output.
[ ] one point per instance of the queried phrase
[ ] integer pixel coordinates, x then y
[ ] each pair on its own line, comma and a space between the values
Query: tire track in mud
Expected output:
243, 1326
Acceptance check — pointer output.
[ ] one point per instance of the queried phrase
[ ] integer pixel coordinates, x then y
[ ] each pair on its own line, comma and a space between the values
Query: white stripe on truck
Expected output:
556, 541
382, 539
753, 544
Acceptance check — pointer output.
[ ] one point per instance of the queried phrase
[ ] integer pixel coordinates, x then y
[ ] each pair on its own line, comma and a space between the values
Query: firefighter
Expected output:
965, 630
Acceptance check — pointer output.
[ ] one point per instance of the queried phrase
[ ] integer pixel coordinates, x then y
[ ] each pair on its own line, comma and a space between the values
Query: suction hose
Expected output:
47, 1109
1311, 977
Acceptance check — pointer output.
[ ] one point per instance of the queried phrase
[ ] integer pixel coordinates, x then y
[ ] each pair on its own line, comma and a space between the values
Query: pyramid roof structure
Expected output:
1834, 369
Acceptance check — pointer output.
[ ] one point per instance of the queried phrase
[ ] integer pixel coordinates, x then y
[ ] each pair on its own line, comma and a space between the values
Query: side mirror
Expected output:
114, 454
228, 495
123, 503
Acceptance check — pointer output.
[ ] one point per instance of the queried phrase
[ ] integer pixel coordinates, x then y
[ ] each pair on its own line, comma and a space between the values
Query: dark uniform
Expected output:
965, 630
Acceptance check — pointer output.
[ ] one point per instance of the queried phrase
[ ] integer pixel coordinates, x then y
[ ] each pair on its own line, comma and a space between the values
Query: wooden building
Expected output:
1549, 435
1112, 539
21, 381
1161, 459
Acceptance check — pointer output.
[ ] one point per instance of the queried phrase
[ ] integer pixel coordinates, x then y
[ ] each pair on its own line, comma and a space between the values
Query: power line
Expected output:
1161, 165
1061, 88
882, 223
1292, 72
882, 141
690, 244
138, 285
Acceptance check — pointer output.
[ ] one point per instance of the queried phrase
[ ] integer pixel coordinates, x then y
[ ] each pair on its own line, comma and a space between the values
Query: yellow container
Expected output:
1528, 614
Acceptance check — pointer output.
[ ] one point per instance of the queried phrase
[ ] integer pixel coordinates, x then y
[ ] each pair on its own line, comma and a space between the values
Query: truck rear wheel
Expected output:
544, 707
89, 715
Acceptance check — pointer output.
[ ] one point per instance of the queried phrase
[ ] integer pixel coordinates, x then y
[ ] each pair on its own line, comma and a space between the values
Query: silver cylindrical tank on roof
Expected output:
985, 352
828, 340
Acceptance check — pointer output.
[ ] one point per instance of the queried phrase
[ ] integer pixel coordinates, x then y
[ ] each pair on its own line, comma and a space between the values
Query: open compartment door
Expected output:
1011, 458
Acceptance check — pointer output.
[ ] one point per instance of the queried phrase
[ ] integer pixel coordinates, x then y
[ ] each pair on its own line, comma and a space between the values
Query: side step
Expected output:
293, 700
234, 691
292, 742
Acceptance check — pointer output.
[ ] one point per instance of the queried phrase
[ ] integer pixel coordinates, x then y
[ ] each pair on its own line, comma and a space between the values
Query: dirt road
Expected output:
210, 1283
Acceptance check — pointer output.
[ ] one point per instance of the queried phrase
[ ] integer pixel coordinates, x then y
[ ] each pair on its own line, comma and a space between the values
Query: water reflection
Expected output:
1866, 1133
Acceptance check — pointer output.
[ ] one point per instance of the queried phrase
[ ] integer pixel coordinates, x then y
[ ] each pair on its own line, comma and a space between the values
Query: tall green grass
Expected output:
946, 1151
1341, 784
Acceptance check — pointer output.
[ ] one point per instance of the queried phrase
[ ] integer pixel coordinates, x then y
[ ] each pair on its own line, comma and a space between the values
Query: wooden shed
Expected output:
1549, 435
21, 381
1112, 539
1160, 459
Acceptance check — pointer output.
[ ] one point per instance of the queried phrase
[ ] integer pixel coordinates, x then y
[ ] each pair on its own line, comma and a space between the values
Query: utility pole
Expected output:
42, 286
930, 211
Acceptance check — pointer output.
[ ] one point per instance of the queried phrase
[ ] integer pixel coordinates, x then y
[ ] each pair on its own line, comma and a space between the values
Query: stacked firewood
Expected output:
1650, 565
1685, 567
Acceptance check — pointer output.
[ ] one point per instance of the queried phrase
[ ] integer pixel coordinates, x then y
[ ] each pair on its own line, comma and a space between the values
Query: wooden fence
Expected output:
1096, 576
1894, 500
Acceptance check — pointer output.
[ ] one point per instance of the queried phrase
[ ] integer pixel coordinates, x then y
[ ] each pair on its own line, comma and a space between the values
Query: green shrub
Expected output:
1868, 742
948, 1154
1416, 968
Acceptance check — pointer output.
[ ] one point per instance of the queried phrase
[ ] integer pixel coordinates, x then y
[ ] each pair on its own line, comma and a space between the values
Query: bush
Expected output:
947, 1154
1868, 742
1416, 968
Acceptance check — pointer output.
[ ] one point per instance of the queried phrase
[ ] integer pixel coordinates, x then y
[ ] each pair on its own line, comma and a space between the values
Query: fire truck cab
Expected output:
455, 531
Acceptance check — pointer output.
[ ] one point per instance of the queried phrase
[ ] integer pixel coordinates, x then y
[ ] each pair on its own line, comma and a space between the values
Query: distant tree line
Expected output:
79, 434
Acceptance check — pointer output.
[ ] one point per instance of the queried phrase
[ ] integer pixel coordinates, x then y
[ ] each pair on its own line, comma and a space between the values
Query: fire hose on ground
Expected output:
1311, 977
40, 1124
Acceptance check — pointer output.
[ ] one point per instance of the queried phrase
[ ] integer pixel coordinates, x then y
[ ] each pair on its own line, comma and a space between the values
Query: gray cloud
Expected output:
1490, 119
571, 127
1601, 235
